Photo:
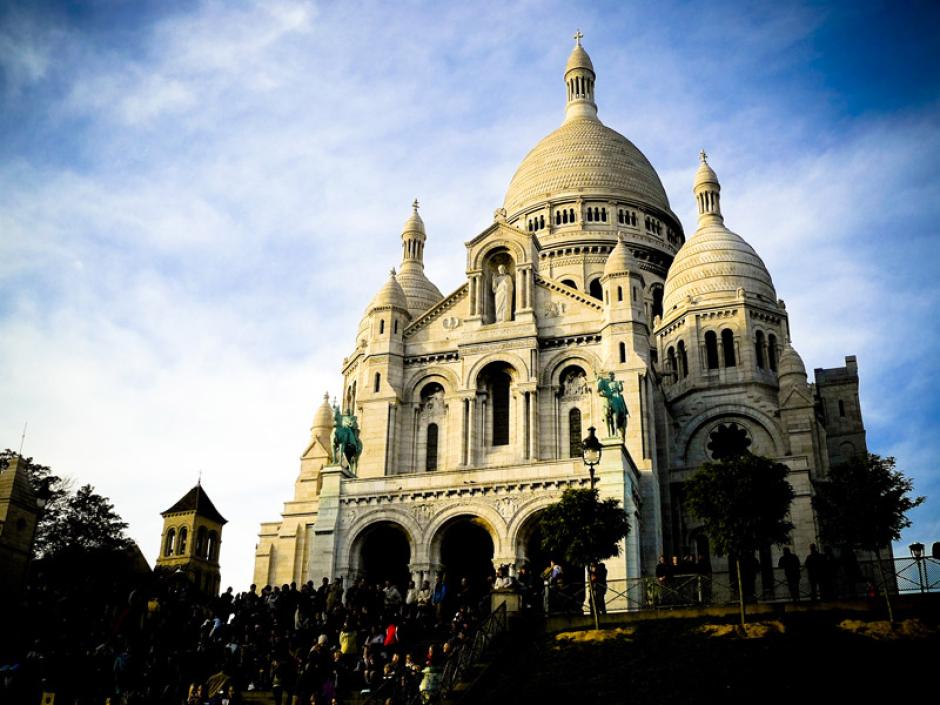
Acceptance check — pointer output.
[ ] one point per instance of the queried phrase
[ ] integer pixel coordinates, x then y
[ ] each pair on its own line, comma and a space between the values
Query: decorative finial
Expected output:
703, 157
578, 37
326, 397
416, 205
392, 271
199, 479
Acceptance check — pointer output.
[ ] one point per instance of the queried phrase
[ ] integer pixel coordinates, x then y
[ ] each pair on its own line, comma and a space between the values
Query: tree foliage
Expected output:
581, 529
743, 502
70, 522
864, 503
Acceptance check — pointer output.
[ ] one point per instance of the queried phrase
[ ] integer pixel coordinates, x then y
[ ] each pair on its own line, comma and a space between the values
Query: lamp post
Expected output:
917, 553
591, 452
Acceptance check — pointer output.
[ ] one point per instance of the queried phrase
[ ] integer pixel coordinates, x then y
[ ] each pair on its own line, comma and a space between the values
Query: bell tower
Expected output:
192, 536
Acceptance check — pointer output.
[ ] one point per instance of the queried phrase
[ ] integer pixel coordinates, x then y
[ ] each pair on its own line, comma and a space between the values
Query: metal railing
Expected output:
470, 653
860, 580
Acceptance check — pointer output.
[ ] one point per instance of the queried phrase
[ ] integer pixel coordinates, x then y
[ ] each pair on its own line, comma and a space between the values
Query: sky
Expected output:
199, 199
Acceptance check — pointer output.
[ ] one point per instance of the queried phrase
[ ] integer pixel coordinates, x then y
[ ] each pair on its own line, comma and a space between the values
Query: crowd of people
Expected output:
162, 641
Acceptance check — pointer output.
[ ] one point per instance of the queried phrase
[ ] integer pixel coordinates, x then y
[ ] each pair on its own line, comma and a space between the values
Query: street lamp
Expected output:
917, 553
591, 452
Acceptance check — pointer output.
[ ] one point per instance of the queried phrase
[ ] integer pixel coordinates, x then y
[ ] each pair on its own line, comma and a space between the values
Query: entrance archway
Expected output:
465, 547
384, 554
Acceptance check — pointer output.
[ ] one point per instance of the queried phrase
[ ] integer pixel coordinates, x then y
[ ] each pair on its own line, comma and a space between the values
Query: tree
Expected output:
743, 501
863, 504
582, 530
88, 522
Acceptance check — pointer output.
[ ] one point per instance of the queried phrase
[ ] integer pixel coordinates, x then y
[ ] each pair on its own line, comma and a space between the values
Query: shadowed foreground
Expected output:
799, 658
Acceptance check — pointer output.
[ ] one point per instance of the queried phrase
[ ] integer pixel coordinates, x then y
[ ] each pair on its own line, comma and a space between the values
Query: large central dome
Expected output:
584, 157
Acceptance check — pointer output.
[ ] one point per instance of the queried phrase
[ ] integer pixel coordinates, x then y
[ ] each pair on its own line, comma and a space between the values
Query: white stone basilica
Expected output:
472, 406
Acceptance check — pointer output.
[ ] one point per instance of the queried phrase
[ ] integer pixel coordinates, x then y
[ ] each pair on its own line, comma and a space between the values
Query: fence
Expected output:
860, 580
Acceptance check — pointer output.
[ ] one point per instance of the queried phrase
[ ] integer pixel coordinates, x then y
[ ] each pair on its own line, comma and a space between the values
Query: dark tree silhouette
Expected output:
863, 504
582, 529
743, 502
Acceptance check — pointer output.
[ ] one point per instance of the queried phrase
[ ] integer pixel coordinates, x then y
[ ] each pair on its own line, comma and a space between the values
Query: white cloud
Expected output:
178, 296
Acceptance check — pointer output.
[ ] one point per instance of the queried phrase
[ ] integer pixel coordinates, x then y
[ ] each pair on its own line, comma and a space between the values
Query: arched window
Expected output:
569, 282
395, 328
181, 544
430, 462
500, 389
212, 546
623, 352
620, 216
590, 215
671, 359
603, 215
201, 542
759, 349
619, 293
378, 382
541, 222
564, 216
683, 360
657, 310
574, 433
557, 218
595, 290
711, 350
170, 540
772, 352
571, 211
841, 408
727, 347
381, 326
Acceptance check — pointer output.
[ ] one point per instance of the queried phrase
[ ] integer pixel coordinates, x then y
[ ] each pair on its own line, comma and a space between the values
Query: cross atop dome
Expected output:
416, 205
702, 156
578, 36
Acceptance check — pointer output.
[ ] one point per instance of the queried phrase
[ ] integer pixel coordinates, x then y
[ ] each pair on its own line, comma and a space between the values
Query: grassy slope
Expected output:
669, 662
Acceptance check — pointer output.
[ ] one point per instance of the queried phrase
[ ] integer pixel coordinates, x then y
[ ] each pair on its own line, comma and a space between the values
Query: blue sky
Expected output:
197, 201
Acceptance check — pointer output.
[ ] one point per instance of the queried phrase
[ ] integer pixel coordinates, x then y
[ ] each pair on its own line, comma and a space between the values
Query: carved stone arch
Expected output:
552, 369
729, 411
510, 358
502, 240
390, 515
445, 377
523, 515
494, 523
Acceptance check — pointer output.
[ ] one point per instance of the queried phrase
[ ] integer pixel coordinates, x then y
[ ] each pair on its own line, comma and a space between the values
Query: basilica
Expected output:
471, 406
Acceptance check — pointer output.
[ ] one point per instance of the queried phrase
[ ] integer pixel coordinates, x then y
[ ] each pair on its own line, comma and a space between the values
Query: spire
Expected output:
707, 192
579, 80
413, 237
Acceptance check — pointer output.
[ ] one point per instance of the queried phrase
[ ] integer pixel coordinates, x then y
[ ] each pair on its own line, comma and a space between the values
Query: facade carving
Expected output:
471, 406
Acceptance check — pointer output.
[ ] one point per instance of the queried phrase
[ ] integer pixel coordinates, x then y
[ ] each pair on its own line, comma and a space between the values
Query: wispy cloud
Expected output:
181, 217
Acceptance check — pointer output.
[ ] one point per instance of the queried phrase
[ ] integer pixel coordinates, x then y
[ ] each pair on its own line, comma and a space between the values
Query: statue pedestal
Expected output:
511, 598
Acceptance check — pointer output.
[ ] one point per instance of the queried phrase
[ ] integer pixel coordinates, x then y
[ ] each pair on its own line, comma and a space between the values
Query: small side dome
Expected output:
322, 422
579, 59
791, 365
705, 174
390, 295
414, 224
715, 261
620, 259
323, 418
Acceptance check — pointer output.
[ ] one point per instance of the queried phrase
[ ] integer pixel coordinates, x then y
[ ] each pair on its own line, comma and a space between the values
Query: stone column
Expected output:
534, 424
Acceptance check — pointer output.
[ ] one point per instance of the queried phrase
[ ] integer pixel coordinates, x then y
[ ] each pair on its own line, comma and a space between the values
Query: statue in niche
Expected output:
433, 400
502, 295
344, 440
575, 384
615, 408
